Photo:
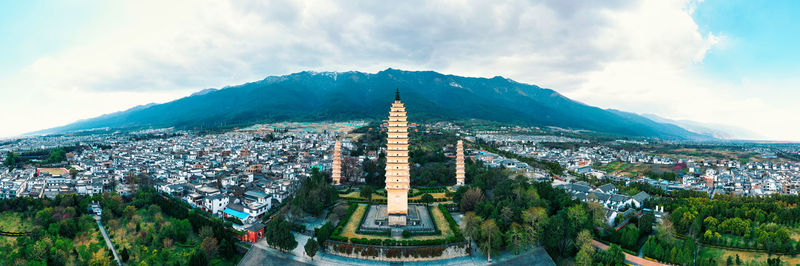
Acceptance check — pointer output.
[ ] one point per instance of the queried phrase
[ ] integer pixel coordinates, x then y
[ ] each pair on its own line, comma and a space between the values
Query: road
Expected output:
108, 240
634, 260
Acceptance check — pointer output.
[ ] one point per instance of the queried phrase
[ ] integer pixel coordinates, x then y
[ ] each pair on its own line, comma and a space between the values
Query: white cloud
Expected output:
631, 55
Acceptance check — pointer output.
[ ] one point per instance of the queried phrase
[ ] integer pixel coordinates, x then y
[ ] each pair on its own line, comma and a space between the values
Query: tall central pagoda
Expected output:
397, 167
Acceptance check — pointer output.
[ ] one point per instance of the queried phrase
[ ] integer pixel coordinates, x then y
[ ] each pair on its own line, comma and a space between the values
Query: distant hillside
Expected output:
355, 95
714, 130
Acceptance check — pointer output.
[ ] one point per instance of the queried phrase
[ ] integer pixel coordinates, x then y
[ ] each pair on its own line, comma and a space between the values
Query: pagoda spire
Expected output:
397, 95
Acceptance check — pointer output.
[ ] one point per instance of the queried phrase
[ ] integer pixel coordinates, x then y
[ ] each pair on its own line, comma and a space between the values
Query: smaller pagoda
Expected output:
336, 175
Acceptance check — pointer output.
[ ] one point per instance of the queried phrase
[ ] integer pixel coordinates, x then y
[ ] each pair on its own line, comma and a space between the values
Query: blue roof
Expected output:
235, 213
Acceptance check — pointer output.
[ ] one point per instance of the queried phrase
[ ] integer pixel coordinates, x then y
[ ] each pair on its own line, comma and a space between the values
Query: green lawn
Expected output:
721, 256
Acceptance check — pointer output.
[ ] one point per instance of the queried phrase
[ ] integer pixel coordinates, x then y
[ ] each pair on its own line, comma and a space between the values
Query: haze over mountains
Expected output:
314, 96
708, 129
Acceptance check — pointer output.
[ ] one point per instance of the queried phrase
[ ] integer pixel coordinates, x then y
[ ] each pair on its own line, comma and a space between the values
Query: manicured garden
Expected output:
347, 231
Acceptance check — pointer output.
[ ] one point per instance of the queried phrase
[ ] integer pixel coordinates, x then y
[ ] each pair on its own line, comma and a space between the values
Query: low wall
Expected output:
397, 253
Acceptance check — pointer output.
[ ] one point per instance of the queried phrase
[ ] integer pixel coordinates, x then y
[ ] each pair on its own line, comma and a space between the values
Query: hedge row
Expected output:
407, 243
15, 234
335, 235
364, 217
453, 225
361, 200
421, 191
424, 252
185, 245
434, 200
450, 206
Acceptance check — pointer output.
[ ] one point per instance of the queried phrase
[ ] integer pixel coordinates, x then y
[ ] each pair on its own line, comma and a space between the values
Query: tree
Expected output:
646, 223
12, 159
311, 248
130, 210
471, 224
711, 223
278, 234
124, 255
209, 246
584, 257
630, 235
585, 248
596, 213
39, 251
470, 199
99, 258
314, 195
534, 219
324, 232
206, 231
515, 237
490, 235
665, 231
506, 214
366, 192
427, 198
198, 258
776, 261
559, 234
584, 240
615, 256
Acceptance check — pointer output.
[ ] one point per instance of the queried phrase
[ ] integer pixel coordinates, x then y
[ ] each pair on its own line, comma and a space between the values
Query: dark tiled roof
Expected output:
607, 188
255, 227
641, 196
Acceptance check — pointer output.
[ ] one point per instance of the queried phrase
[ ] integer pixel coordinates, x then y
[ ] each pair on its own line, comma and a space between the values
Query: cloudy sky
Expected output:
732, 62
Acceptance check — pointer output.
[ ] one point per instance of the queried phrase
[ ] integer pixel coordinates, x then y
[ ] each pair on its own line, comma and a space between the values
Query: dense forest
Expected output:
145, 229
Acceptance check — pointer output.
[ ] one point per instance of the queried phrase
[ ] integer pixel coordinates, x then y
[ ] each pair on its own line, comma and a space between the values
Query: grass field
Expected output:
624, 168
721, 256
13, 222
356, 195
349, 229
435, 196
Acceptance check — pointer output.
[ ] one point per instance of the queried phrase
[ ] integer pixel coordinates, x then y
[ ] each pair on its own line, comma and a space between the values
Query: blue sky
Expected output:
32, 29
724, 62
761, 39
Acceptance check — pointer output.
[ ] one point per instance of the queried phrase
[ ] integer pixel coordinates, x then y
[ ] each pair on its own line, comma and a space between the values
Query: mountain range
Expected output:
338, 96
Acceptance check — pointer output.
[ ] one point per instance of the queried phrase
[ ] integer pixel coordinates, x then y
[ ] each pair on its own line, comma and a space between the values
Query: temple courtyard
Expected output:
425, 223
418, 220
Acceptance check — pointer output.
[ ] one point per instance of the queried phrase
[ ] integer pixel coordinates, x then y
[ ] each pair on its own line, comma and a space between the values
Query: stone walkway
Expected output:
108, 240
